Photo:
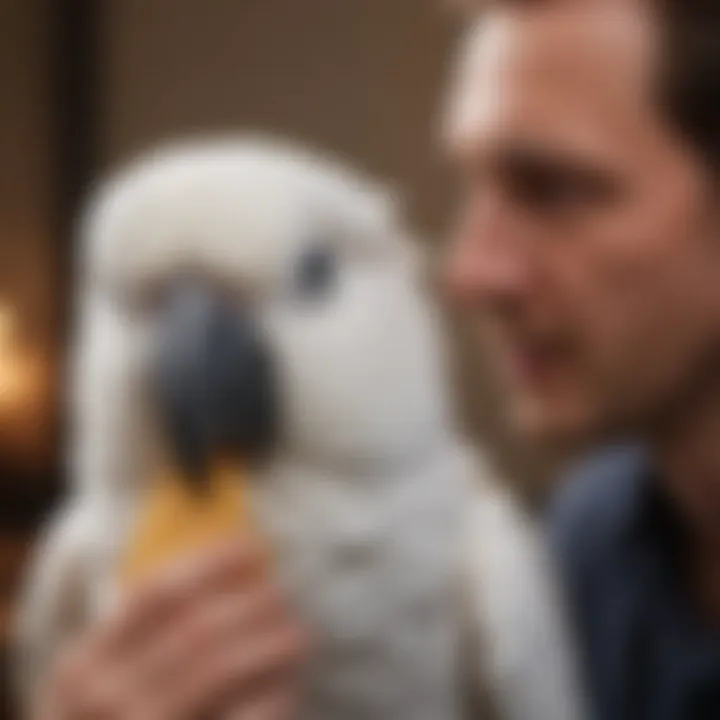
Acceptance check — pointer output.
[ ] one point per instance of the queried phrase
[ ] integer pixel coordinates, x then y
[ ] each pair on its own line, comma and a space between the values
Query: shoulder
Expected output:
594, 503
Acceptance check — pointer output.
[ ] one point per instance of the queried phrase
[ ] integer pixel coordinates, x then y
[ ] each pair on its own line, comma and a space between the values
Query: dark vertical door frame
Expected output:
75, 59
77, 85
77, 67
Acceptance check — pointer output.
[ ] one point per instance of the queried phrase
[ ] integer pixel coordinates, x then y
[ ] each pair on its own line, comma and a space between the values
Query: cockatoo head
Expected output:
245, 294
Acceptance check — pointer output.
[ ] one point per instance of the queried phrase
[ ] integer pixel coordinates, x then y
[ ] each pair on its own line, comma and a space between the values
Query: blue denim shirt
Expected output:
647, 653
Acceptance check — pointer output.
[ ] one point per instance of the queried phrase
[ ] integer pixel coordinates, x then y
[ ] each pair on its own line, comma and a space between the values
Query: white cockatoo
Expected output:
420, 581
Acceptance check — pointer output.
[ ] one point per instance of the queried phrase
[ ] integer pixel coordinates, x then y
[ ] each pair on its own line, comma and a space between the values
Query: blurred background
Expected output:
89, 83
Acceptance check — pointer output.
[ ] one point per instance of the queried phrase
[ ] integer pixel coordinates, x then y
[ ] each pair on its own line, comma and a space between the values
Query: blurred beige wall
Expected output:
360, 77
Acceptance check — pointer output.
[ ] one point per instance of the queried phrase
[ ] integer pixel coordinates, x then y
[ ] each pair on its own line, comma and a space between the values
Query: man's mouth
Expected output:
535, 361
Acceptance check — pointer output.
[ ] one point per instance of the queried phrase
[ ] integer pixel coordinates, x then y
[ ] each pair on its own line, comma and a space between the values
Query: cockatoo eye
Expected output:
316, 272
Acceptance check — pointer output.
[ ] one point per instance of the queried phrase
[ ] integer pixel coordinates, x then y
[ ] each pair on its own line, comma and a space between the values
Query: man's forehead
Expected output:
553, 67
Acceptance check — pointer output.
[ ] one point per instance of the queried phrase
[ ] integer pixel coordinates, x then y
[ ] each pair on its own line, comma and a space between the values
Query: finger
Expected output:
202, 628
77, 686
101, 694
278, 705
234, 668
100, 668
158, 599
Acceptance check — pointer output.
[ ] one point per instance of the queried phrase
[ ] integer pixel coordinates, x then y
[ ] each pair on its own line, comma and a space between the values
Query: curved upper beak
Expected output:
214, 381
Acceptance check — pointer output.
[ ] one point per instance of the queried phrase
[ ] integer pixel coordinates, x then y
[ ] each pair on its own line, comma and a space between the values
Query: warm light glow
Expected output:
8, 327
14, 380
23, 386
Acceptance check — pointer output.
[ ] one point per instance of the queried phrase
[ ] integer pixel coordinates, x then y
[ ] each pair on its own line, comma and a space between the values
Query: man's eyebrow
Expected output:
516, 158
523, 156
538, 165
545, 157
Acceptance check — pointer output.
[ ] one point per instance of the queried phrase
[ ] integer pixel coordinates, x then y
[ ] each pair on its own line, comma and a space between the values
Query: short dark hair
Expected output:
690, 76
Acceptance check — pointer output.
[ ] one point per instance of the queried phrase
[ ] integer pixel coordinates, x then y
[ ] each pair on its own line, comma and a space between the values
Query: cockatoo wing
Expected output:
52, 599
520, 650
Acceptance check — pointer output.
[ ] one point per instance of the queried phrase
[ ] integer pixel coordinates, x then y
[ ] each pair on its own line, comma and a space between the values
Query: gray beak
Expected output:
215, 382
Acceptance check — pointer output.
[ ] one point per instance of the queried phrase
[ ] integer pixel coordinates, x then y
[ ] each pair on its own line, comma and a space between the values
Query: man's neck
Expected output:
688, 457
687, 453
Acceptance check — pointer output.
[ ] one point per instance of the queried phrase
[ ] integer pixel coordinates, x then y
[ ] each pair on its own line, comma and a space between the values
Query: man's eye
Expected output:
547, 185
558, 189
315, 273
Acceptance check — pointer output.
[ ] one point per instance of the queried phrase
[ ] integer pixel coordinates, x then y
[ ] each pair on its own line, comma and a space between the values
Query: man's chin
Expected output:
550, 422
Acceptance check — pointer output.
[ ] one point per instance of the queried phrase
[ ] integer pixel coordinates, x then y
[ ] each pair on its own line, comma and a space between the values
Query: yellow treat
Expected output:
179, 520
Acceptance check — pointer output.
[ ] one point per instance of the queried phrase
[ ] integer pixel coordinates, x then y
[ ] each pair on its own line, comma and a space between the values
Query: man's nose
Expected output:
488, 260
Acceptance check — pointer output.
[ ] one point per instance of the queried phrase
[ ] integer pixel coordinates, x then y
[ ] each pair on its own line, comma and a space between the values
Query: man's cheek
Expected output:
627, 368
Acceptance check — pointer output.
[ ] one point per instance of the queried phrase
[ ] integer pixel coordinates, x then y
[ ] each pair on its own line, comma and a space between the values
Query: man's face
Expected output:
586, 249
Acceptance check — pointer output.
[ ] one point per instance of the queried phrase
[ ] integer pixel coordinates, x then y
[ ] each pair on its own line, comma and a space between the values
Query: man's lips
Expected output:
537, 361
